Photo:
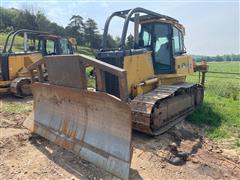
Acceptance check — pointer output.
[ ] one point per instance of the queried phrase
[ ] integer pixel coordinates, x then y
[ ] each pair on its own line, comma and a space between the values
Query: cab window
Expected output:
50, 47
177, 41
32, 45
162, 55
64, 47
145, 36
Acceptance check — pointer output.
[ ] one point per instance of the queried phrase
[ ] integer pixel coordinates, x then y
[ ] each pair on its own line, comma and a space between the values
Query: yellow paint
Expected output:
139, 68
19, 62
143, 88
140, 73
184, 64
167, 79
171, 78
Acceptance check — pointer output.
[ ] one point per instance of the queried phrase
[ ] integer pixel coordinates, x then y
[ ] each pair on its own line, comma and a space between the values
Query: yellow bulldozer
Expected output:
14, 76
143, 88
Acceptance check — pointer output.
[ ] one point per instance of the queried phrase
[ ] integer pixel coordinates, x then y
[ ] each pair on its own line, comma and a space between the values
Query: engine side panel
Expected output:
184, 64
139, 68
18, 61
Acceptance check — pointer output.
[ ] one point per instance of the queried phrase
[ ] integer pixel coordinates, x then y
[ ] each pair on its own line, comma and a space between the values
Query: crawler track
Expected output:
157, 111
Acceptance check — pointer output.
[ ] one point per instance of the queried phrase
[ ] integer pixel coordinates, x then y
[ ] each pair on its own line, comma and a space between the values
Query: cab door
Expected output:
162, 51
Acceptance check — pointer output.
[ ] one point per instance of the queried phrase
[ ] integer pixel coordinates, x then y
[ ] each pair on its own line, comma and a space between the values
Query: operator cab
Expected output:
165, 41
54, 45
15, 56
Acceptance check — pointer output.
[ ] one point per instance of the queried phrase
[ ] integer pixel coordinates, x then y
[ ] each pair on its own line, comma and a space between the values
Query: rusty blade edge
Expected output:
81, 143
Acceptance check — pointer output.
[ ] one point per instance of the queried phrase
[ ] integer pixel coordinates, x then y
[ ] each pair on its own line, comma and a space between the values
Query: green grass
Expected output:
15, 106
224, 66
224, 85
237, 143
220, 111
17, 46
85, 50
91, 80
221, 114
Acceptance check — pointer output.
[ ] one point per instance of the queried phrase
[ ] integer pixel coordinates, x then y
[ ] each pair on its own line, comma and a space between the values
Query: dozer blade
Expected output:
94, 125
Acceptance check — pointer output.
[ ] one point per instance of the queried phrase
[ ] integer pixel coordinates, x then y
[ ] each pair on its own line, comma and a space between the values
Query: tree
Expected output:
117, 40
9, 18
91, 33
76, 28
56, 29
130, 42
42, 21
111, 42
76, 21
26, 20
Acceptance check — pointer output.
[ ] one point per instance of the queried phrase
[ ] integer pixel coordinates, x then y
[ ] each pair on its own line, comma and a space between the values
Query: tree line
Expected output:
225, 57
85, 31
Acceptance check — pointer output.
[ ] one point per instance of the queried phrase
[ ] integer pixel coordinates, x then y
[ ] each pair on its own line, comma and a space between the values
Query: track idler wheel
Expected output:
22, 88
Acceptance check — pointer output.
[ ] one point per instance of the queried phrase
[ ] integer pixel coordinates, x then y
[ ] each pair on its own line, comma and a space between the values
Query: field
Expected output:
221, 104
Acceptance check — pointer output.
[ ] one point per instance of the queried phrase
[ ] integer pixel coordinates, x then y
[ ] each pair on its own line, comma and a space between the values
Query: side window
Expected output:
40, 45
50, 47
181, 41
146, 38
32, 45
64, 47
177, 41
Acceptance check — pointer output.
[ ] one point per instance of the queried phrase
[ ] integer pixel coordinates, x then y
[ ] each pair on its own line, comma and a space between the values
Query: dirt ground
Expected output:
28, 156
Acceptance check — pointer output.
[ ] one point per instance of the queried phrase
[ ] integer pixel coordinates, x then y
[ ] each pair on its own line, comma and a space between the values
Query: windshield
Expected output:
64, 47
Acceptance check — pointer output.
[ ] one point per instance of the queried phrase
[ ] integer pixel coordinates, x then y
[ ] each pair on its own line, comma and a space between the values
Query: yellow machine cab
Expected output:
14, 60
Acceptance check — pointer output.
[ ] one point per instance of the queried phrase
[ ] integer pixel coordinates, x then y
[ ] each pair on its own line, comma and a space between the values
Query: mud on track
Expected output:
28, 156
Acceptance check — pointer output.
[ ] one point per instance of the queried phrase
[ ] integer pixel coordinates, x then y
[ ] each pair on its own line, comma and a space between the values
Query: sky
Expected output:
212, 26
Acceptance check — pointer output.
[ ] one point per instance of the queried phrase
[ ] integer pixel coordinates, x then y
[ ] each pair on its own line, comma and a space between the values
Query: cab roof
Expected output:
148, 16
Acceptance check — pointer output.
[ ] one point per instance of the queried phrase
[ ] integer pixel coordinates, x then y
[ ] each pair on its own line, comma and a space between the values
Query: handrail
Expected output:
6, 41
128, 18
23, 31
127, 15
106, 26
